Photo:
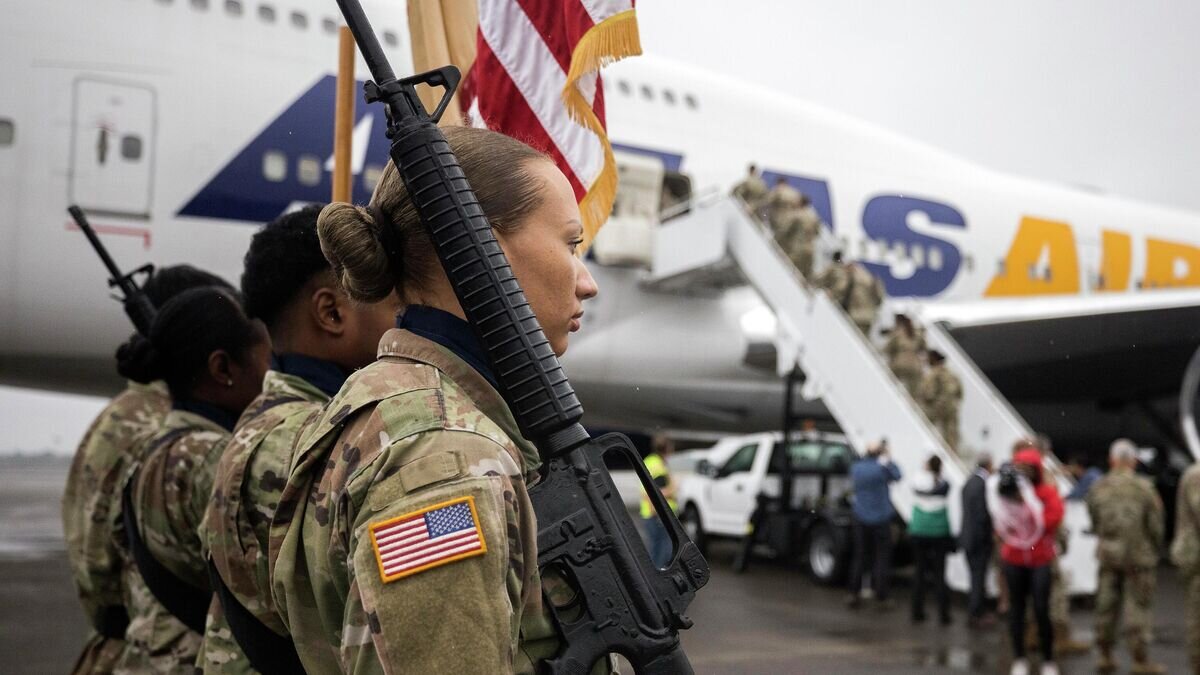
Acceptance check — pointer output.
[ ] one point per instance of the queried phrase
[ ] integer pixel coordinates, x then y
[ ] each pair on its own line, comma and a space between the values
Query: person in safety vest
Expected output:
656, 464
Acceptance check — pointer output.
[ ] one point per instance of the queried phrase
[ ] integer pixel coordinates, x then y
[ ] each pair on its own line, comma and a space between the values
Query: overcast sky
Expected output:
1096, 93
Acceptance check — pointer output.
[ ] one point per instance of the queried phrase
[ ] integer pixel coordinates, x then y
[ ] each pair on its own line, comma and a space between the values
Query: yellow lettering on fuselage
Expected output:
1117, 261
1170, 263
1023, 276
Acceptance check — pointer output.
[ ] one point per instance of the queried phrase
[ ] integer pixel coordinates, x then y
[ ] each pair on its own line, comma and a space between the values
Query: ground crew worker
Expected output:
905, 351
319, 336
752, 190
940, 396
1185, 554
91, 504
656, 532
1127, 516
422, 435
781, 202
213, 360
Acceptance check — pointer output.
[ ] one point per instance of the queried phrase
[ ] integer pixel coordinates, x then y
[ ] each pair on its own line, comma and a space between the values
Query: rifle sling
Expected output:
269, 652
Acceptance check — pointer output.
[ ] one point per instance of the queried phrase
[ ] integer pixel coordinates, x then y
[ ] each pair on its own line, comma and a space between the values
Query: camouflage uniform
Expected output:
904, 354
236, 531
1127, 516
91, 508
753, 191
170, 496
416, 429
804, 230
940, 395
858, 291
781, 203
1185, 554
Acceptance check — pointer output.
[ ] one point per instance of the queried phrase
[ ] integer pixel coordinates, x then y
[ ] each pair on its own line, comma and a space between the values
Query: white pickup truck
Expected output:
720, 497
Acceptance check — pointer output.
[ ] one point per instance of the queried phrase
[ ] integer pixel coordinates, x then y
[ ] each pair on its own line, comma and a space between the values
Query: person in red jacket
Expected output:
1026, 512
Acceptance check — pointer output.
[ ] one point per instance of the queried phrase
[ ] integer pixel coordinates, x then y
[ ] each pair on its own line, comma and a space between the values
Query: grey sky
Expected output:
1098, 93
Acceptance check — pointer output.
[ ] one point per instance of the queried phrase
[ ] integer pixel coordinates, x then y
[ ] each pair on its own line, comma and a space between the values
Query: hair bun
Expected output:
351, 243
138, 360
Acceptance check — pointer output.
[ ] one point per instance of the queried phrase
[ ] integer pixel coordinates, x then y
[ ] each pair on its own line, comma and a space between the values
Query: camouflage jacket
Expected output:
1185, 548
91, 504
249, 478
1127, 517
752, 190
782, 200
904, 352
940, 391
417, 434
170, 496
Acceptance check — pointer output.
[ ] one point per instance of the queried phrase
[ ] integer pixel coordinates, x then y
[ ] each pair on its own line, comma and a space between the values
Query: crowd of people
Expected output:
1012, 520
255, 498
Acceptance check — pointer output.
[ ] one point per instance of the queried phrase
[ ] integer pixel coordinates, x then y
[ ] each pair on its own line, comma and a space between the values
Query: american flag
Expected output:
433, 536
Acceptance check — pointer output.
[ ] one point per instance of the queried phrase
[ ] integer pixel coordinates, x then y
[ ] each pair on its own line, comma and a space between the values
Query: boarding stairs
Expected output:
717, 244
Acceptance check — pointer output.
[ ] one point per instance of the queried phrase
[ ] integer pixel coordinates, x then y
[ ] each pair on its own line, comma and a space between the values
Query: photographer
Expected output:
1026, 511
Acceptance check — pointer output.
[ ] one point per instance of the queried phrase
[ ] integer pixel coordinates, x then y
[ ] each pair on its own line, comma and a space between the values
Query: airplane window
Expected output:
647, 92
371, 175
623, 87
8, 133
691, 101
266, 13
669, 96
233, 7
300, 20
329, 25
391, 39
308, 170
131, 147
274, 166
200, 4
917, 253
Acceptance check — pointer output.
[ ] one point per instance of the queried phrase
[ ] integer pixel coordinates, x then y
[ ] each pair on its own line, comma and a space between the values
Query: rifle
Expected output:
138, 307
621, 602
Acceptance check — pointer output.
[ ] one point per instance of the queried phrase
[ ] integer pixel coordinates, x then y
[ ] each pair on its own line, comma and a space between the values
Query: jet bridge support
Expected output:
719, 244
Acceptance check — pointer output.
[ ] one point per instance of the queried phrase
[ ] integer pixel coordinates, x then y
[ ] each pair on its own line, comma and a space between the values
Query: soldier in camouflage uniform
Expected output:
1185, 554
905, 352
803, 232
852, 286
422, 438
781, 203
940, 396
213, 359
752, 190
91, 500
1127, 516
319, 336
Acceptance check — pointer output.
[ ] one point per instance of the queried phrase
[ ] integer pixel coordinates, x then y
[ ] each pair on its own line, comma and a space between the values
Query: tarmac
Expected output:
772, 619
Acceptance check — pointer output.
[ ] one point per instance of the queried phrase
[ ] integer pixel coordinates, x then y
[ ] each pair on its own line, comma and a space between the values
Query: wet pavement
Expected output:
771, 619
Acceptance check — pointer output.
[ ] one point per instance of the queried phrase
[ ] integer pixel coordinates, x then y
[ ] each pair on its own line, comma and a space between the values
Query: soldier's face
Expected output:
542, 252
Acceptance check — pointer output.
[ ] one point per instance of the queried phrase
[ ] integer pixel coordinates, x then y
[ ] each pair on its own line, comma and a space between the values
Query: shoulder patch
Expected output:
427, 538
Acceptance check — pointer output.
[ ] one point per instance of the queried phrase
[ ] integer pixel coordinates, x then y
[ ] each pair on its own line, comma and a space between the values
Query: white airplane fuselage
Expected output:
181, 126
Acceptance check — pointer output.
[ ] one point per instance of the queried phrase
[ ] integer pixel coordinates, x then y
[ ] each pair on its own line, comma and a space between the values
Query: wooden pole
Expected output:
343, 119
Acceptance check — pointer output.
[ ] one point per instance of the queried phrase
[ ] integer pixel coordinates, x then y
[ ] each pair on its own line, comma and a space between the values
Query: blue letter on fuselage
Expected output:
885, 218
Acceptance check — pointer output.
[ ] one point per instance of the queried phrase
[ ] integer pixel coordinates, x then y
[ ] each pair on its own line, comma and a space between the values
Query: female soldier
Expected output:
405, 540
213, 360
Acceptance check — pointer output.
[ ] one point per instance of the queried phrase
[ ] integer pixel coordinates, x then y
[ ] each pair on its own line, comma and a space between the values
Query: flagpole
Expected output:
343, 119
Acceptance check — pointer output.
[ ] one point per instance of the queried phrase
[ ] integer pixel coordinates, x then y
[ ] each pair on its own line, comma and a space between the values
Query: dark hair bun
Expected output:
138, 360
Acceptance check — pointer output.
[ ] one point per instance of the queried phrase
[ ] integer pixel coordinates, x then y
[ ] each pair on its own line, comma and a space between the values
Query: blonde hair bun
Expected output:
351, 243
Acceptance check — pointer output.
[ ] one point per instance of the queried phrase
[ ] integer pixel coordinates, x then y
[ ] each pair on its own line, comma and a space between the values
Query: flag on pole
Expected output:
442, 31
536, 77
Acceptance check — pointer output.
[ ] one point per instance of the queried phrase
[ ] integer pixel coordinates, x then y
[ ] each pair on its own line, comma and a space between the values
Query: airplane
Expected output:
181, 125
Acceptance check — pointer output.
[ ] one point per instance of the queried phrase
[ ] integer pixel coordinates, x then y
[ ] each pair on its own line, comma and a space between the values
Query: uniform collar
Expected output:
326, 376
450, 332
208, 411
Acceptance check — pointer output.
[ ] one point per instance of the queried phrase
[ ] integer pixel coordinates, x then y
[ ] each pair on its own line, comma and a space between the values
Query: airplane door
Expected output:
112, 147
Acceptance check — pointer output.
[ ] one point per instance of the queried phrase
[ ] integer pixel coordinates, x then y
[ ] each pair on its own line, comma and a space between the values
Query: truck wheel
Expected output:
694, 527
826, 554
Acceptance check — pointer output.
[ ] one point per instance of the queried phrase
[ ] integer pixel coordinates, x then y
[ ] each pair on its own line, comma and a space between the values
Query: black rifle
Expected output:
621, 602
137, 306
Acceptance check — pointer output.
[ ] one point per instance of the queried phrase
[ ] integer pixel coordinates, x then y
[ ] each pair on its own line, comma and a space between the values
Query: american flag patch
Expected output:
421, 540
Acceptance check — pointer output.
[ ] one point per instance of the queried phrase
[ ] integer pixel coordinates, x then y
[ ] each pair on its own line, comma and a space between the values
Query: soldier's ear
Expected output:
220, 367
327, 307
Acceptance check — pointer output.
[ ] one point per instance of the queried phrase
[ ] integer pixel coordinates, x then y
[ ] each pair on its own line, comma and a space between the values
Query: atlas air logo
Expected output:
292, 161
